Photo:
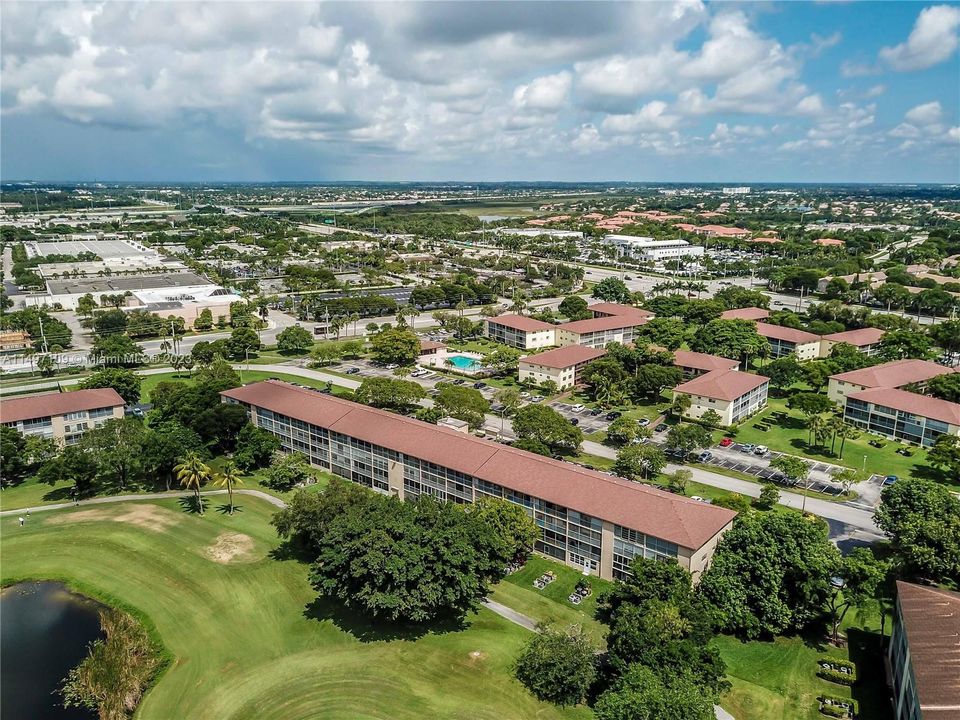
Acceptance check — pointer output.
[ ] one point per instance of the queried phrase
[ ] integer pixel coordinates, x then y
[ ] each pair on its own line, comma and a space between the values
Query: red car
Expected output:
726, 442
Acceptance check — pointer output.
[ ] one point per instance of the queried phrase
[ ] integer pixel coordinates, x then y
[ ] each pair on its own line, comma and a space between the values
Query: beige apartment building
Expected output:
64, 416
520, 332
591, 521
732, 394
562, 365
790, 341
895, 374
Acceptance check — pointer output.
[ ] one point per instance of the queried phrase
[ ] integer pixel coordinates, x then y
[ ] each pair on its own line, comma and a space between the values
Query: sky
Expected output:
490, 91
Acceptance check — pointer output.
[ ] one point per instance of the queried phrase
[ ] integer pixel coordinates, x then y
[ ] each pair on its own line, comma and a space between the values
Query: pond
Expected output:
44, 633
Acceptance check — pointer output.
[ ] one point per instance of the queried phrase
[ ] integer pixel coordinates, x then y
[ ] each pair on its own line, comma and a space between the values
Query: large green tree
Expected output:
734, 339
395, 346
13, 464
294, 339
771, 574
612, 289
546, 425
639, 462
125, 382
922, 519
642, 694
461, 402
390, 394
558, 666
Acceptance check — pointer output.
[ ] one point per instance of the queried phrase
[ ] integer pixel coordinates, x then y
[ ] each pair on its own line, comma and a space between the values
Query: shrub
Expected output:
836, 663
833, 700
841, 678
833, 711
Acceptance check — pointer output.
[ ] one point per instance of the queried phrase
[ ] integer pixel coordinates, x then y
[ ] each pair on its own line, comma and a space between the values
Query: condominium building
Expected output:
732, 394
895, 374
866, 340
902, 415
65, 416
520, 332
790, 341
747, 313
588, 520
696, 363
923, 655
598, 331
562, 365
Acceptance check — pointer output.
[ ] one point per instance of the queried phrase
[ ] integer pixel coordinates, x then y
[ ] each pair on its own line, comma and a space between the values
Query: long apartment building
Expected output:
804, 345
65, 416
732, 394
611, 322
588, 520
876, 399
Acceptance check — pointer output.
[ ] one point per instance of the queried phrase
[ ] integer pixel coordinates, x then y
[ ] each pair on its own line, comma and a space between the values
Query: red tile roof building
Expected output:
589, 519
562, 365
732, 394
62, 416
747, 313
924, 653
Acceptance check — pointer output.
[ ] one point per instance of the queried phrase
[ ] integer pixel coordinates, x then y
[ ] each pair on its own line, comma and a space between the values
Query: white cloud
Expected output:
652, 116
926, 114
810, 105
544, 93
932, 40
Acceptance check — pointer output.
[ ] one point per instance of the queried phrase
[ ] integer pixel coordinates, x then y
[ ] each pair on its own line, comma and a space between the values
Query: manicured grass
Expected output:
248, 376
791, 437
31, 493
248, 638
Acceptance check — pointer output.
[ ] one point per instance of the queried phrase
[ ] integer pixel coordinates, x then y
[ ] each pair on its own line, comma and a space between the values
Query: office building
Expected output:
65, 416
589, 520
650, 250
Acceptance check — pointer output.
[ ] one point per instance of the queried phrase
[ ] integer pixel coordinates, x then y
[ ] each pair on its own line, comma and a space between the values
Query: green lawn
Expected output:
791, 437
248, 376
248, 637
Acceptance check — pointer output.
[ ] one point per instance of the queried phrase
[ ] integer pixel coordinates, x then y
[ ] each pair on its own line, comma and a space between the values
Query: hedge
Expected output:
836, 676
837, 662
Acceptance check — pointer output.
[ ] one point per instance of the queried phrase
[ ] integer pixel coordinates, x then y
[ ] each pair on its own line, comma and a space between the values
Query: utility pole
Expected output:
43, 336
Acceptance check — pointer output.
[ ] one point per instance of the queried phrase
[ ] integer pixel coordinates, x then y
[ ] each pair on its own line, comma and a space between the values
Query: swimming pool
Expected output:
462, 362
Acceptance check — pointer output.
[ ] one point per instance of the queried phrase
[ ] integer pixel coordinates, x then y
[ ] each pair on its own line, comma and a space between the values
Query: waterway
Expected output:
45, 631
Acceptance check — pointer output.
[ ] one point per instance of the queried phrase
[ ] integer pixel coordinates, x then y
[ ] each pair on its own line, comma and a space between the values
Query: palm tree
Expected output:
192, 472
228, 478
846, 432
816, 428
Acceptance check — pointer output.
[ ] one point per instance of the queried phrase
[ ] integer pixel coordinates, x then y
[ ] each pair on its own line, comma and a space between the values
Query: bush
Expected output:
835, 676
836, 662
833, 711
831, 704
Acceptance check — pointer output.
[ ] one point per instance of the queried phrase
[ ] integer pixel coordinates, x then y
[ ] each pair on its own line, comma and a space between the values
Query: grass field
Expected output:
249, 376
247, 636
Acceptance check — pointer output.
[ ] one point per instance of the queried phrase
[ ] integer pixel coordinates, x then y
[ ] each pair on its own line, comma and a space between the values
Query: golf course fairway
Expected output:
247, 637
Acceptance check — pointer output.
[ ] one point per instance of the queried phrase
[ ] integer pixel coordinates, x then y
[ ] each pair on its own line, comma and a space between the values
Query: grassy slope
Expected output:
247, 638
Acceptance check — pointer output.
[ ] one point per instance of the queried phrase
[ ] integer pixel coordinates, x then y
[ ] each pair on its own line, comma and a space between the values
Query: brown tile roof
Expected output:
676, 519
430, 345
787, 334
564, 357
931, 621
606, 322
50, 404
747, 313
923, 405
858, 338
521, 322
703, 361
608, 308
721, 384
894, 374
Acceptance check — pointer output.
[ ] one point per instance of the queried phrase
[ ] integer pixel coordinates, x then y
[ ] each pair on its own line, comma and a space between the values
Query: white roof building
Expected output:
645, 248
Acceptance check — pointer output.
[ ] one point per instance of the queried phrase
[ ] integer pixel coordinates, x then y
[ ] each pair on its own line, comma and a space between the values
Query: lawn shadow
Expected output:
289, 550
928, 472
61, 493
366, 630
870, 691
190, 504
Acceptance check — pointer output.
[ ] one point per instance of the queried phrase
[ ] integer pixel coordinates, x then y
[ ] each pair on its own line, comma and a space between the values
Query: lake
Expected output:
44, 633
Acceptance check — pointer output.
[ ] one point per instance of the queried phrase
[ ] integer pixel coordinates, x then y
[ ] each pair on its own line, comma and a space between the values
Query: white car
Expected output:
577, 408
697, 498
761, 450
391, 366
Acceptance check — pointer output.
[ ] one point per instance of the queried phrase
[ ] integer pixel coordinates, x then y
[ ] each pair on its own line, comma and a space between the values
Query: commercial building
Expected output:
64, 417
650, 250
541, 231
520, 332
732, 394
924, 653
902, 415
790, 341
865, 340
589, 520
562, 365
895, 374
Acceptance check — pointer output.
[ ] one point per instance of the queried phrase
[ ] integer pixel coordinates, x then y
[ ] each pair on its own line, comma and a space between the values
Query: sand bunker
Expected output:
231, 547
149, 517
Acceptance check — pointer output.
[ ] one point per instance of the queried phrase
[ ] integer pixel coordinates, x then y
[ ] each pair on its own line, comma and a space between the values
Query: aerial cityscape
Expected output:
480, 360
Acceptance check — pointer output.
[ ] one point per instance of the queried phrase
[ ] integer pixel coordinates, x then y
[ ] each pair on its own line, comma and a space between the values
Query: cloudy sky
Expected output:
794, 91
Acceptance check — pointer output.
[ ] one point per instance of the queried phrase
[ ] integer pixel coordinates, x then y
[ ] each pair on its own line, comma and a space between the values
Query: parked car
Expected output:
391, 366
705, 456
662, 427
748, 448
459, 381
613, 415
536, 398
596, 411
353, 371
577, 408
479, 385
761, 450
697, 498
726, 442
890, 479
574, 421
525, 395
644, 422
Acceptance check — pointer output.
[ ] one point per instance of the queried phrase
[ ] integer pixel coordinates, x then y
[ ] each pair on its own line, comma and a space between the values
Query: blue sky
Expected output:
686, 91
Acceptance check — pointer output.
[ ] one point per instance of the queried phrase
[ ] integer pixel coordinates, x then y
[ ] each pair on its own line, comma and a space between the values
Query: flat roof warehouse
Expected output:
679, 520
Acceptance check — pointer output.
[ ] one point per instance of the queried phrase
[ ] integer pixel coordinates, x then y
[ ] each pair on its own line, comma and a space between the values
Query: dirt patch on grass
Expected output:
149, 517
477, 656
230, 547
